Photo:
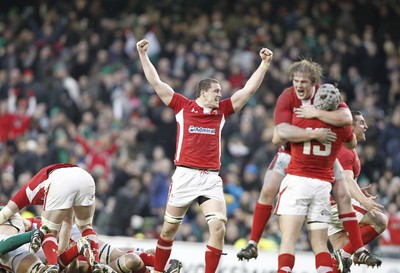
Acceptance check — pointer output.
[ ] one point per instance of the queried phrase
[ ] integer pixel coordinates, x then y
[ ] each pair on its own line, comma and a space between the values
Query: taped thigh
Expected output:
216, 216
84, 222
317, 225
173, 219
51, 225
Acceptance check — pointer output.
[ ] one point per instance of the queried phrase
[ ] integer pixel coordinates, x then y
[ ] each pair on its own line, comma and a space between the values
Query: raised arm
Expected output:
163, 90
240, 97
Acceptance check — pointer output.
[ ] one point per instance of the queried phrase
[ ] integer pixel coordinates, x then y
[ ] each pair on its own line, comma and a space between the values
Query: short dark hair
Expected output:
355, 113
204, 84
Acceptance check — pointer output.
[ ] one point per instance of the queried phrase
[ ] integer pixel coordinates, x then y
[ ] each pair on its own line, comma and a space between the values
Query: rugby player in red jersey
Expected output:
305, 190
372, 221
65, 191
198, 152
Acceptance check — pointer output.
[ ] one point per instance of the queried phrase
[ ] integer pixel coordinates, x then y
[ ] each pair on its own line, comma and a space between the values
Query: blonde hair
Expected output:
313, 69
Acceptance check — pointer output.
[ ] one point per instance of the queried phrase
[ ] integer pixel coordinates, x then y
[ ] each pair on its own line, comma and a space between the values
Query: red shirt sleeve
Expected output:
284, 107
348, 133
20, 198
345, 158
177, 102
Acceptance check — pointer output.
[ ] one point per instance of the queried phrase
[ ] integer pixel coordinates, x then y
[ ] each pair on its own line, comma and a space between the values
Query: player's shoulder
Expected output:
180, 101
287, 95
289, 91
344, 152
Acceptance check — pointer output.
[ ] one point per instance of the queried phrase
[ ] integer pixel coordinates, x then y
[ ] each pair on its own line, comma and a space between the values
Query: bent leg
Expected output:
264, 205
84, 219
52, 220
346, 214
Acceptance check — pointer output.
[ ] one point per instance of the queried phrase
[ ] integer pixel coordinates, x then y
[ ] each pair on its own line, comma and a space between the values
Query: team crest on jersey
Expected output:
214, 112
201, 130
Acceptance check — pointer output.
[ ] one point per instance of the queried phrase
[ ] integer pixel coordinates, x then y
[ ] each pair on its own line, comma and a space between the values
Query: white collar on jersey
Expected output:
308, 101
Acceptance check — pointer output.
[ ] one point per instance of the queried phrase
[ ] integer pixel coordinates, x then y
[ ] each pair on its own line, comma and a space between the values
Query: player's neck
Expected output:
200, 102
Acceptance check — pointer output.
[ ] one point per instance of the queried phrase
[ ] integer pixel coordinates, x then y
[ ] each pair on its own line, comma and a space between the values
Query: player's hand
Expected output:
372, 206
142, 46
306, 111
365, 191
266, 55
324, 135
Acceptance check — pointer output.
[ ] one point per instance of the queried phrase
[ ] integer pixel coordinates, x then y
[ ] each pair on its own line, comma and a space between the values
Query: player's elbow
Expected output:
347, 121
351, 145
344, 117
278, 137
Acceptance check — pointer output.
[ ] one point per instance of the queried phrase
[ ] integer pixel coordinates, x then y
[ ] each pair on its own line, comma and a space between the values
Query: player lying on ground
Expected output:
17, 259
122, 260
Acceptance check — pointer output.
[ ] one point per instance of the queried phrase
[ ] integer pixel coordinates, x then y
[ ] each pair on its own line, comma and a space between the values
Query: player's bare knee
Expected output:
129, 262
268, 193
218, 230
380, 222
168, 233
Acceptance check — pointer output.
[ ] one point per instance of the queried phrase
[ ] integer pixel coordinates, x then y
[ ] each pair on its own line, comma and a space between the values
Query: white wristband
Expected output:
5, 214
264, 65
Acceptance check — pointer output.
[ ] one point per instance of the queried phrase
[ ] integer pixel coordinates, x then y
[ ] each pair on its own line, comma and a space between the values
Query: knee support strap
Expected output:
316, 225
50, 225
216, 216
172, 219
84, 222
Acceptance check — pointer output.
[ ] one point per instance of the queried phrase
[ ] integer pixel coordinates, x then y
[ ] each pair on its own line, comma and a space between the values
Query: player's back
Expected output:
312, 158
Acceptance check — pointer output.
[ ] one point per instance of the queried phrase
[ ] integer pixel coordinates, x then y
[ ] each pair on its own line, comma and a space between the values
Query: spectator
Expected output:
130, 200
207, 34
390, 142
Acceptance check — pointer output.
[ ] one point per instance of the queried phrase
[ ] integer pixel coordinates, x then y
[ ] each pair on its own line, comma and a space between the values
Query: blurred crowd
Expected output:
72, 90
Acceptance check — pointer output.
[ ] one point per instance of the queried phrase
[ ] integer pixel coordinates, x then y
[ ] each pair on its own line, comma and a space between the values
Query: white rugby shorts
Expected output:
279, 163
305, 196
188, 184
335, 225
68, 187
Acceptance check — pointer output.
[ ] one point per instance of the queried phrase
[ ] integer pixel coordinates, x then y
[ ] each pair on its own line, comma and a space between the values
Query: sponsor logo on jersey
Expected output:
201, 130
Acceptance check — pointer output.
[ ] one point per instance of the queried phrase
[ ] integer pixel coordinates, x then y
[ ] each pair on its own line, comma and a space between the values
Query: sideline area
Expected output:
192, 256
